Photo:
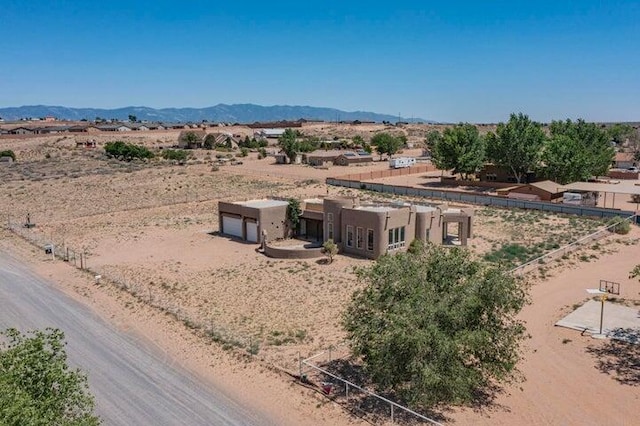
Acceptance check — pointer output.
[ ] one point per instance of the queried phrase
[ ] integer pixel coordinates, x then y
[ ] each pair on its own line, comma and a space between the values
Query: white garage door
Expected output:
232, 226
252, 232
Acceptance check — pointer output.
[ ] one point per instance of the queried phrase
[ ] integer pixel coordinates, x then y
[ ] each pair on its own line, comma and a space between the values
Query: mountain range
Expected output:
236, 113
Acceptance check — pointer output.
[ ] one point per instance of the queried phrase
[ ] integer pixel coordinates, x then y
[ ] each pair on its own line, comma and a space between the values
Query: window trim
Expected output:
359, 238
372, 240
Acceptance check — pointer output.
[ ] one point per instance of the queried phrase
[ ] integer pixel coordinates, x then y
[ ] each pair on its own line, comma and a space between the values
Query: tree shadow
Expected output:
620, 356
358, 402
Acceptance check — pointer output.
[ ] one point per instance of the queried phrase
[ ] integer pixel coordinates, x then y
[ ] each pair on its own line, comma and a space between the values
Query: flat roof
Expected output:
422, 209
260, 204
620, 187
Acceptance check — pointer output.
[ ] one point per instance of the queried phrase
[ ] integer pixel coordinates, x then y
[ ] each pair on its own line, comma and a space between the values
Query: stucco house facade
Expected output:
361, 229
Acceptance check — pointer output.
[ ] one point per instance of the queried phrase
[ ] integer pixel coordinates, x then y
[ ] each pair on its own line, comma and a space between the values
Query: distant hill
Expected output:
237, 113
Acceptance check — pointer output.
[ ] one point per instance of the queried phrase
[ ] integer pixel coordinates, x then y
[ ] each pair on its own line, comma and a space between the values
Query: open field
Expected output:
153, 226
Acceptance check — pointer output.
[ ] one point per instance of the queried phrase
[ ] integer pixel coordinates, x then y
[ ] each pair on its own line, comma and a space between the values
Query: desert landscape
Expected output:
234, 316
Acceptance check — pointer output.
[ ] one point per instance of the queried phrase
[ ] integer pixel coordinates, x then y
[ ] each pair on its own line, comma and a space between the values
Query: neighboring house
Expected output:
282, 158
114, 128
366, 230
169, 126
321, 157
546, 190
21, 131
336, 157
184, 144
268, 133
141, 127
349, 158
623, 160
220, 139
51, 129
83, 129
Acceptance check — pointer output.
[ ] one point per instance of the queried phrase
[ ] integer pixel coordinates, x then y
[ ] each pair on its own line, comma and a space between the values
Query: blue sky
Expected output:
444, 60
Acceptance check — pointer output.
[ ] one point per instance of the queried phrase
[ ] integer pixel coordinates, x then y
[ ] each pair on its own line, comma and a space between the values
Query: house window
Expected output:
370, 239
427, 235
396, 238
359, 238
349, 236
492, 177
329, 217
330, 231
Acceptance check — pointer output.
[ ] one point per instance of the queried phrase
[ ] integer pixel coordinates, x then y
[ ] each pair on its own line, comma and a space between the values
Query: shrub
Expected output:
244, 152
619, 225
330, 249
174, 154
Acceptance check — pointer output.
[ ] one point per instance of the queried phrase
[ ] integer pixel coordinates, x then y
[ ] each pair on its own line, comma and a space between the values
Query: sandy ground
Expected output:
152, 227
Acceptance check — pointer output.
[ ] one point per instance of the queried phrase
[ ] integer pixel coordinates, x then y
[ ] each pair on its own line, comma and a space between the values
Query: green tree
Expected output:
433, 137
293, 214
460, 148
133, 118
436, 326
564, 161
126, 151
209, 141
330, 249
189, 139
590, 141
289, 143
620, 132
37, 387
516, 145
386, 143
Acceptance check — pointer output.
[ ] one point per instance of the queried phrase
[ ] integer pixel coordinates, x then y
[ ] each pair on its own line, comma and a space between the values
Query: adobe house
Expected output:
248, 220
366, 230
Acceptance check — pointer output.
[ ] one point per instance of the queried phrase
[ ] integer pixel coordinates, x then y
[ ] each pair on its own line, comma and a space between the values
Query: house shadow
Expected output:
620, 356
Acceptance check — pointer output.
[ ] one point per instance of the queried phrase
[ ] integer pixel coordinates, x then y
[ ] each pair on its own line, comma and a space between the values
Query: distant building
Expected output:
623, 160
268, 133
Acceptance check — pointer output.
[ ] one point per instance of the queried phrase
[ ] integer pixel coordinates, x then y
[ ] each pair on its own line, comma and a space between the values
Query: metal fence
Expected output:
485, 200
356, 397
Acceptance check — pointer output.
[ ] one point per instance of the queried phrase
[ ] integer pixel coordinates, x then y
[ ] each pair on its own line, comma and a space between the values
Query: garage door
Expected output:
232, 226
252, 232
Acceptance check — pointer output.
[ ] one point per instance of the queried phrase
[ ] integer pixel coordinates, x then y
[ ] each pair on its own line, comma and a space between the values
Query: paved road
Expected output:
133, 384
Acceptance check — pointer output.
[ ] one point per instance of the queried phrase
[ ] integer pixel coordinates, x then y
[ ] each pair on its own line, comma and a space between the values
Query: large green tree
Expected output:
386, 143
590, 142
516, 145
436, 326
36, 385
461, 149
289, 143
564, 161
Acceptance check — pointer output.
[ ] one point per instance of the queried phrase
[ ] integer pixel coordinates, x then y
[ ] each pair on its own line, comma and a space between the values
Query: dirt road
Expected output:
133, 382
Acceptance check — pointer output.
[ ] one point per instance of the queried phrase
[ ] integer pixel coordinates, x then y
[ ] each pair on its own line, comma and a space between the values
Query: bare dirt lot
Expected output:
151, 226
